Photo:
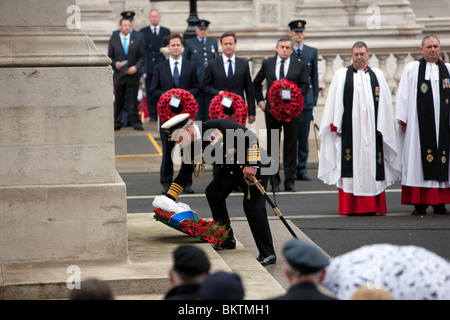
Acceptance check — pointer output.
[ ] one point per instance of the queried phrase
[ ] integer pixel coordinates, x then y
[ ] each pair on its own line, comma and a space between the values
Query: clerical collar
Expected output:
366, 69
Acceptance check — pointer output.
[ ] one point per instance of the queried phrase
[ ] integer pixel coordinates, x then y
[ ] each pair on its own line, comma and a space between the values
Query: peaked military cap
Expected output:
128, 15
175, 123
297, 25
202, 24
304, 256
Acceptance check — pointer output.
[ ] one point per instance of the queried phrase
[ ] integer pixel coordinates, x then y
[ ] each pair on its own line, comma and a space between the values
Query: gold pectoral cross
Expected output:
348, 154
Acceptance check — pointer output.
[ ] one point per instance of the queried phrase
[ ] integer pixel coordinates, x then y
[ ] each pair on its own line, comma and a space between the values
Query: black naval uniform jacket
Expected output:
231, 151
217, 150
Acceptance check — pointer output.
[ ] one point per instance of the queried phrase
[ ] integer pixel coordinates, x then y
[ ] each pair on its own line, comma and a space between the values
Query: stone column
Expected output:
60, 196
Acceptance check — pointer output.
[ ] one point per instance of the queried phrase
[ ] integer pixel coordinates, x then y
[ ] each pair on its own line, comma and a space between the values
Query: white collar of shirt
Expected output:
122, 36
286, 66
172, 64
225, 63
152, 27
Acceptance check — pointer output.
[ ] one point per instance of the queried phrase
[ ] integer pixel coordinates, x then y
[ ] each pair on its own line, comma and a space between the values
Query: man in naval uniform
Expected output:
235, 150
200, 50
422, 109
359, 150
308, 55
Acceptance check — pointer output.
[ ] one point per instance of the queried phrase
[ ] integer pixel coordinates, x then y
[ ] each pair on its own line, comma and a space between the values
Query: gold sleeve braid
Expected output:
175, 190
253, 154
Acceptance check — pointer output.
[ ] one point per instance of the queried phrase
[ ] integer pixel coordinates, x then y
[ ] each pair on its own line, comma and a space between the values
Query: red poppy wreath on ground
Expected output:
187, 104
285, 110
189, 223
239, 109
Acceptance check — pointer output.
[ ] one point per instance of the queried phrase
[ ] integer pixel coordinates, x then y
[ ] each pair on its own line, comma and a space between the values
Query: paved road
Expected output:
313, 209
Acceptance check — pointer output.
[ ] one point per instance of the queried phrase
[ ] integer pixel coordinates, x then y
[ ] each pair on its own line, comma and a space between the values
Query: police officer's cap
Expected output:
175, 123
190, 260
304, 257
202, 24
297, 25
129, 15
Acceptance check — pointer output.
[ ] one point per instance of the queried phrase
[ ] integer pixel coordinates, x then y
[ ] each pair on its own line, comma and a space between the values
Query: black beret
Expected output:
190, 260
304, 256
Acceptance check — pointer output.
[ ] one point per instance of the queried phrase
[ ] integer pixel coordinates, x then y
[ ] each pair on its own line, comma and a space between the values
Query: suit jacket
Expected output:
304, 291
215, 80
153, 45
296, 73
309, 56
135, 56
200, 55
162, 79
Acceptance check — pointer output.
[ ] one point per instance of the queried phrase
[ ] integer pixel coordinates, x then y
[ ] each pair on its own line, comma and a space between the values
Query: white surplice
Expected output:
364, 181
406, 111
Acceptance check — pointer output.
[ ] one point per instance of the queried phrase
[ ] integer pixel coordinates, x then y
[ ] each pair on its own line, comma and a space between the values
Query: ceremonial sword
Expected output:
255, 182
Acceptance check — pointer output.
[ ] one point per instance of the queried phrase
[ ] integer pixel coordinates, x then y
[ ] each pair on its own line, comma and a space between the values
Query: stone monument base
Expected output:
63, 222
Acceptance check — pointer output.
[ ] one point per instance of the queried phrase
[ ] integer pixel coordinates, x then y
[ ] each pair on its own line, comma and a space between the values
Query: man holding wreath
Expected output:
273, 70
175, 72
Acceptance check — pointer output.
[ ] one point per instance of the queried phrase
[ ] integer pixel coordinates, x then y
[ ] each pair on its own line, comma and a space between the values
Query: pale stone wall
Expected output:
60, 195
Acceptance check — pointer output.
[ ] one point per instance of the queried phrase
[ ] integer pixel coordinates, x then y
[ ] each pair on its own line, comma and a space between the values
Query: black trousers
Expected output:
224, 182
151, 101
289, 147
122, 89
166, 170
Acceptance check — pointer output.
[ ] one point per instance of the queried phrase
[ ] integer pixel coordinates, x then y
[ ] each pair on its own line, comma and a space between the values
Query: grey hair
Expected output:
285, 38
428, 37
360, 44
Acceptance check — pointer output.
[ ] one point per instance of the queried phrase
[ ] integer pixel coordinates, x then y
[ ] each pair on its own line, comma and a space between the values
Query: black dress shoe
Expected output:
289, 188
138, 127
267, 260
444, 212
165, 190
227, 244
418, 212
303, 177
117, 127
188, 190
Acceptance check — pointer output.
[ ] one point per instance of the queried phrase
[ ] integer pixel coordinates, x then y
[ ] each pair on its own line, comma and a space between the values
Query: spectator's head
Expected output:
304, 259
222, 286
190, 265
92, 289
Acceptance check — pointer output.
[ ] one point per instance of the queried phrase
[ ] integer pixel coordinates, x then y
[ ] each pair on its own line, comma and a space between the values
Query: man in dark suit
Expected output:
155, 37
175, 72
273, 69
127, 53
305, 270
219, 77
308, 55
235, 150
201, 50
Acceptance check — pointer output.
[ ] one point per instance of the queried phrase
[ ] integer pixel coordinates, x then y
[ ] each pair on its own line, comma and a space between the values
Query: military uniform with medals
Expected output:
200, 53
231, 147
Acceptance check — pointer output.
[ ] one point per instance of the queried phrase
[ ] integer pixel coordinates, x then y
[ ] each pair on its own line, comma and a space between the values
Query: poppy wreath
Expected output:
240, 109
285, 110
201, 229
187, 104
